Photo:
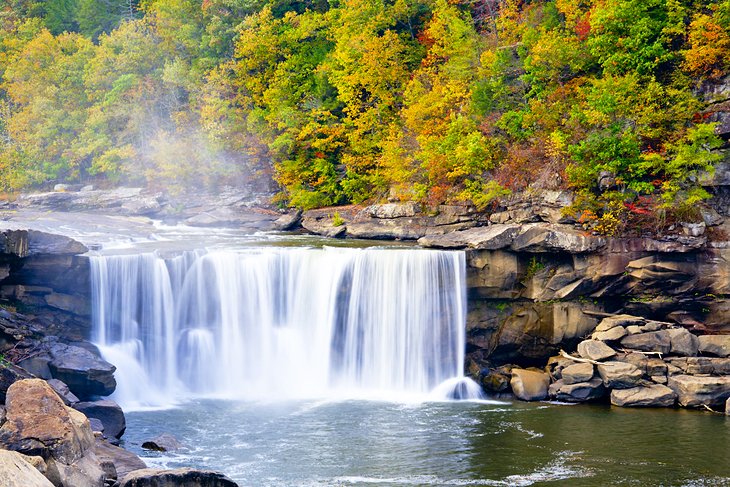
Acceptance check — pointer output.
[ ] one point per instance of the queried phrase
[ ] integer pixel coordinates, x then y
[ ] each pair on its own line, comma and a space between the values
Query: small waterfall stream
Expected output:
281, 323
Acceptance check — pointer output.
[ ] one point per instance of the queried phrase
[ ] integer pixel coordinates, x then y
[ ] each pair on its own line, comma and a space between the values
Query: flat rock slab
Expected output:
694, 391
613, 335
619, 375
715, 345
595, 350
682, 342
580, 392
576, 373
702, 365
655, 341
619, 320
650, 396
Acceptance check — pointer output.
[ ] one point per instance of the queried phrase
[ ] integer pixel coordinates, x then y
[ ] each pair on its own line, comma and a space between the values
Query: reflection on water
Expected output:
459, 443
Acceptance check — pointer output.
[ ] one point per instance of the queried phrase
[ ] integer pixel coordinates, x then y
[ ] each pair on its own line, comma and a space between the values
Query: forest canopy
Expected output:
347, 101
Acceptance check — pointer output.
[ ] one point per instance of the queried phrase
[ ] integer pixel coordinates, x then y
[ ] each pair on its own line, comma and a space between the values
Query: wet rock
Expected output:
682, 342
9, 374
647, 396
163, 442
595, 350
288, 221
16, 471
106, 411
47, 243
576, 373
38, 423
67, 302
14, 242
619, 375
124, 461
150, 477
656, 341
694, 391
580, 392
495, 380
85, 374
63, 392
529, 385
715, 345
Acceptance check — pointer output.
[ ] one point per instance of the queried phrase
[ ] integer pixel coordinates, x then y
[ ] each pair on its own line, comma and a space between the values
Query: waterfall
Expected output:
280, 322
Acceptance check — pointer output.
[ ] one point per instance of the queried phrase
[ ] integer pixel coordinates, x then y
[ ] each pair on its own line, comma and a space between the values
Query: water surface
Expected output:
366, 443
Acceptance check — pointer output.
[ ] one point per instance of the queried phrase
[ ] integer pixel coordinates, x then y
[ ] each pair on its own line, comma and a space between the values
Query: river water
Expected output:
369, 443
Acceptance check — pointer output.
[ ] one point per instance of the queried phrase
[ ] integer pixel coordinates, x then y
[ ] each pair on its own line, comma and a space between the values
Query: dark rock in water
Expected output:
580, 392
124, 461
165, 442
48, 243
10, 374
63, 392
188, 477
106, 411
86, 374
529, 385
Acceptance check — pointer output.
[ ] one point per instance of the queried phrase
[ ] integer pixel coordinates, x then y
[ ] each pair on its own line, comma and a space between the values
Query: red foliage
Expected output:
583, 27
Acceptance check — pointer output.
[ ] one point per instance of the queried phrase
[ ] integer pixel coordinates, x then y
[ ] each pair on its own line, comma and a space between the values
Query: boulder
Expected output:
392, 210
595, 350
529, 385
85, 374
144, 205
187, 477
580, 392
619, 320
555, 238
576, 373
124, 461
619, 375
38, 423
655, 341
163, 442
288, 221
17, 471
9, 374
694, 391
639, 360
614, 334
715, 345
63, 391
702, 365
648, 396
96, 425
655, 367
493, 237
682, 342
106, 411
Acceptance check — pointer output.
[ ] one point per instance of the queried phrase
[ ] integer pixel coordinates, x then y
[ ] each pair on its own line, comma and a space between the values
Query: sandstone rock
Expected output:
148, 205
694, 391
648, 396
659, 379
16, 471
150, 477
85, 374
556, 364
163, 442
614, 334
9, 374
653, 326
576, 373
529, 385
555, 238
619, 375
727, 407
493, 237
14, 242
682, 342
393, 210
702, 365
495, 380
106, 411
46, 243
288, 221
580, 392
655, 367
38, 423
639, 360
633, 329
323, 226
63, 391
595, 350
68, 302
656, 341
715, 345
124, 461
619, 320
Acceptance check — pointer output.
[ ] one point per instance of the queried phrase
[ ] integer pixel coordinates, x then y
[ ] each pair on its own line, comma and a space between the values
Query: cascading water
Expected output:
281, 322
